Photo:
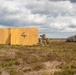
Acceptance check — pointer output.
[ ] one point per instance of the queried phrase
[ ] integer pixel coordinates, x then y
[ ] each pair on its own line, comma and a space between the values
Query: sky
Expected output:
55, 18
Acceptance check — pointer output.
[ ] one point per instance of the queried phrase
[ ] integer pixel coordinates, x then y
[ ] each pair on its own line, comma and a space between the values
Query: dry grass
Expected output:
19, 60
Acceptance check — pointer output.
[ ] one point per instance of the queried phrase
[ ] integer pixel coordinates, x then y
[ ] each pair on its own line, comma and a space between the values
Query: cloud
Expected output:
49, 16
73, 1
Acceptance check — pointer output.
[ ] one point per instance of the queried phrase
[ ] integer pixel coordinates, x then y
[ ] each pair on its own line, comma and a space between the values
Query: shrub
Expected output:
66, 72
38, 66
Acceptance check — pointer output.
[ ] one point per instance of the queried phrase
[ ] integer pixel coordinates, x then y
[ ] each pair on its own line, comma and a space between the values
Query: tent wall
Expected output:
19, 36
5, 36
24, 36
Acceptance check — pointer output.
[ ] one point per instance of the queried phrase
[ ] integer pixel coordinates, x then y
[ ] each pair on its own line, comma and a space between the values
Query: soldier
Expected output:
40, 41
44, 40
43, 36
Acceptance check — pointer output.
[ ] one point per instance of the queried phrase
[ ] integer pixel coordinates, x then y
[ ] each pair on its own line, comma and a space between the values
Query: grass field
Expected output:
57, 58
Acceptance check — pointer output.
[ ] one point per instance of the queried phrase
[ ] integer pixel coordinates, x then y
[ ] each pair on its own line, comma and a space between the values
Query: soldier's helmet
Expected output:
43, 36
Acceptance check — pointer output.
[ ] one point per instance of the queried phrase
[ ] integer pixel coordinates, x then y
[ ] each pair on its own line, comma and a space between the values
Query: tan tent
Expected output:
24, 36
19, 36
5, 36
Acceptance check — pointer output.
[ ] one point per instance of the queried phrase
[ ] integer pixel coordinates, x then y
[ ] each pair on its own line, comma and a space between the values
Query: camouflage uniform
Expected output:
44, 40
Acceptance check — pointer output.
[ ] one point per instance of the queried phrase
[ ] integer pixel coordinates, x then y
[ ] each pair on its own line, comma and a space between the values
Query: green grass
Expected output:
66, 72
9, 63
14, 72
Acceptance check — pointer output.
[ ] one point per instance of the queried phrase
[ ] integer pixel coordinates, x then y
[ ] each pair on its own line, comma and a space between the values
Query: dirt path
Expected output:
50, 68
